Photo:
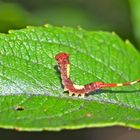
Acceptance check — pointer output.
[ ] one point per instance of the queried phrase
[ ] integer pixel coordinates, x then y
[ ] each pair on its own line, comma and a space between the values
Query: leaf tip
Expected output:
10, 31
127, 41
28, 26
113, 33
47, 25
79, 27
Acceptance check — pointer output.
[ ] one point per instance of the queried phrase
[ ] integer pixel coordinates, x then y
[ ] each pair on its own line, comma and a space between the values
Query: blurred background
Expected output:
120, 16
109, 15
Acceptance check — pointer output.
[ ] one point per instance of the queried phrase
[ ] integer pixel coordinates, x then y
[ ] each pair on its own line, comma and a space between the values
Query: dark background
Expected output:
108, 15
110, 133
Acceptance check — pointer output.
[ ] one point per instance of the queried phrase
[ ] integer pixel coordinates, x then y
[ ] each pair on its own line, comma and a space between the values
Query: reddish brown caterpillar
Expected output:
78, 90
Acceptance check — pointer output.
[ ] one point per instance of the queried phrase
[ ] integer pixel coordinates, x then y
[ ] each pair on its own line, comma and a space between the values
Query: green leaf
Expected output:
27, 69
14, 16
135, 16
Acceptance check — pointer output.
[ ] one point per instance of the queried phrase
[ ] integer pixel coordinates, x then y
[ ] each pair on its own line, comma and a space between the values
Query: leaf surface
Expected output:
31, 94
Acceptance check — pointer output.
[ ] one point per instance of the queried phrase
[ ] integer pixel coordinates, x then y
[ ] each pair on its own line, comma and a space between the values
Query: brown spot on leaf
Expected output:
89, 115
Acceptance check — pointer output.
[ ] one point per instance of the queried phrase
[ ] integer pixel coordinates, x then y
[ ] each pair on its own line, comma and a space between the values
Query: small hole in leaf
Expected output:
19, 108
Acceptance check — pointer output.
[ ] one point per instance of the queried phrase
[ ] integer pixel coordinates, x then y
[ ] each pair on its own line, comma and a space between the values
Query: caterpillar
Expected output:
79, 90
